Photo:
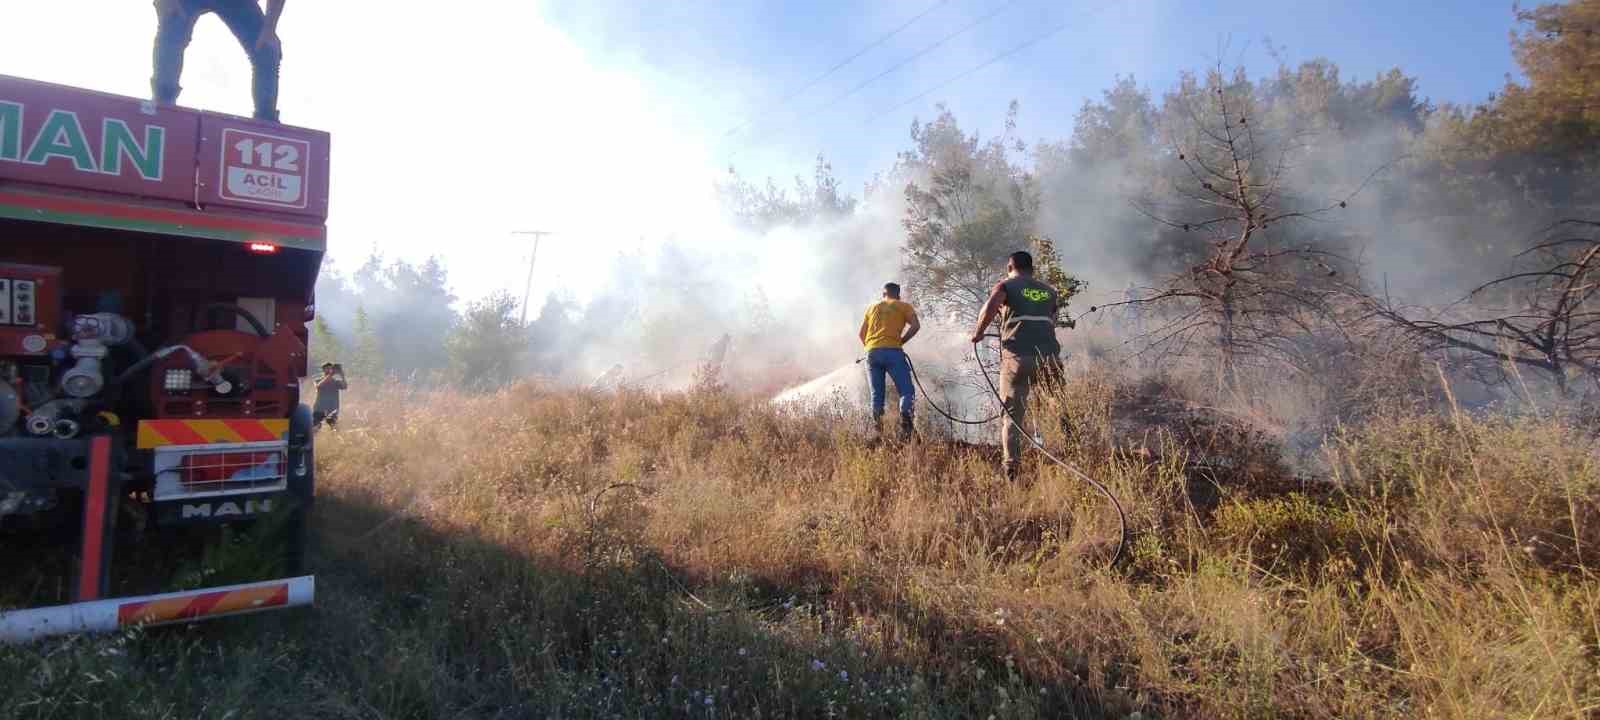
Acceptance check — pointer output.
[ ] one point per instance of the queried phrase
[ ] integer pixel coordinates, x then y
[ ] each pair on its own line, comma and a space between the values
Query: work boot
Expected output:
1011, 473
908, 428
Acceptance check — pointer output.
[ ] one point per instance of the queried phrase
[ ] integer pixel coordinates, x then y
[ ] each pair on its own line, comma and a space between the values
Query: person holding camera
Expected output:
328, 387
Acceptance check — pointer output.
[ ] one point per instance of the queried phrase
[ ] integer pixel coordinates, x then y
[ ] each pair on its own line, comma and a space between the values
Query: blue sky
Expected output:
731, 61
606, 120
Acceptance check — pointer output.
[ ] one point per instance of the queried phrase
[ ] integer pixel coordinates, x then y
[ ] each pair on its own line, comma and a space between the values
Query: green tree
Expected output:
552, 335
486, 348
1093, 184
769, 206
1531, 154
410, 308
1556, 116
967, 207
1048, 268
367, 358
325, 345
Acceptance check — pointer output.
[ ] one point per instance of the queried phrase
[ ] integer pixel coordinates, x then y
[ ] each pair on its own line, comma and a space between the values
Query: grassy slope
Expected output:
764, 565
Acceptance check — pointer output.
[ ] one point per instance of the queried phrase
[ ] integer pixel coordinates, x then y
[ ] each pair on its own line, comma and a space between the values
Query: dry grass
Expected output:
758, 564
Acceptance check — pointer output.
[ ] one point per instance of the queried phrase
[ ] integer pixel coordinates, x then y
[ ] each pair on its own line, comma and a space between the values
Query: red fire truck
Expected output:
157, 267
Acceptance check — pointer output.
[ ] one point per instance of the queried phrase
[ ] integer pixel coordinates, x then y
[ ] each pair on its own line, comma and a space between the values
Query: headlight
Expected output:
178, 381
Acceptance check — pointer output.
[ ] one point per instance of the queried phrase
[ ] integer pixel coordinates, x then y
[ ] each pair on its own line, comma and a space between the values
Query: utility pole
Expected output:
537, 235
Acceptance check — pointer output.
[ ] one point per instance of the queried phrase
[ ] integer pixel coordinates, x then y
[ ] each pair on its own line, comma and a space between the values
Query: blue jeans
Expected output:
244, 18
893, 362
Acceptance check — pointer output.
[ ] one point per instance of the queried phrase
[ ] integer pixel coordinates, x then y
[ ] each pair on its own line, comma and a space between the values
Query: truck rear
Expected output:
157, 267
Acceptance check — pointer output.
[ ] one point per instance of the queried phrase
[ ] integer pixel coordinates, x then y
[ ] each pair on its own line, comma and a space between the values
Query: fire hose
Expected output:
1122, 516
929, 399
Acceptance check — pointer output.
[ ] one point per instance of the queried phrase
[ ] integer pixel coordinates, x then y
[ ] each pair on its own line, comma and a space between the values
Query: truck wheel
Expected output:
302, 491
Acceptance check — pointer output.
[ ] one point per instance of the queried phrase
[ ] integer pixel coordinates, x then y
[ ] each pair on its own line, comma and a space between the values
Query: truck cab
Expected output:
157, 273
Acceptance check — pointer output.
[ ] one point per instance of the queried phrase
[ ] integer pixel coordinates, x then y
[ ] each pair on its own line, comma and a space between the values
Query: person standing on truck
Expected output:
1029, 351
888, 325
257, 32
328, 387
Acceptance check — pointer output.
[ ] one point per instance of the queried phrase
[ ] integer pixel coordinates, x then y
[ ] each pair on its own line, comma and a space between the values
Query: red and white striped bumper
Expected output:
161, 433
105, 615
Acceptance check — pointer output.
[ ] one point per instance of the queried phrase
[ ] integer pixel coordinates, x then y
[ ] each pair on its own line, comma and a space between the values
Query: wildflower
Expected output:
844, 676
709, 701
818, 665
742, 652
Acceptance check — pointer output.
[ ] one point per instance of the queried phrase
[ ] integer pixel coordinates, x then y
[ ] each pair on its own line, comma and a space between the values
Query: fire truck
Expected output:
157, 267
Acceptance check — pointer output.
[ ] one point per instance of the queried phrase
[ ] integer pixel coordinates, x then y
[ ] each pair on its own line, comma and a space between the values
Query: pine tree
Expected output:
325, 346
367, 360
486, 347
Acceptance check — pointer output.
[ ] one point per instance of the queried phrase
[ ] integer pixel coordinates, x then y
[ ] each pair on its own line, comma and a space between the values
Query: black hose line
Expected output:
249, 317
1122, 517
134, 369
146, 359
928, 398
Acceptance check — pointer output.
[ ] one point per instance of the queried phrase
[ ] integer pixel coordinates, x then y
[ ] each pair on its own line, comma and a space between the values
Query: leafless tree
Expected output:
1247, 292
1542, 316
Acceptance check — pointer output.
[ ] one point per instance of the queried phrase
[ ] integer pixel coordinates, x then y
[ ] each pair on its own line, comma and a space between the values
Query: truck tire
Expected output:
302, 491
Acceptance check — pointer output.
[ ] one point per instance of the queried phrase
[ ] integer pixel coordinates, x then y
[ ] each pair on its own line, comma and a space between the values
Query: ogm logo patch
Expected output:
1035, 294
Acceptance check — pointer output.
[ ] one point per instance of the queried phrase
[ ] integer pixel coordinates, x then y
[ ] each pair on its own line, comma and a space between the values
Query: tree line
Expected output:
1296, 218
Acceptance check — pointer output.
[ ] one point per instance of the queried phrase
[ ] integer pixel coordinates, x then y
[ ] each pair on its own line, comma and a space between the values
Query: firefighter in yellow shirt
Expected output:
888, 325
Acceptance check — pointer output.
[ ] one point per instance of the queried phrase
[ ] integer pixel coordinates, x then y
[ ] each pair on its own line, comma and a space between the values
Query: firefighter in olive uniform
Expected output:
1030, 353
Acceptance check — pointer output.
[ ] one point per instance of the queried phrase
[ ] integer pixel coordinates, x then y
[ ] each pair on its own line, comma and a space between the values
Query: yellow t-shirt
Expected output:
885, 322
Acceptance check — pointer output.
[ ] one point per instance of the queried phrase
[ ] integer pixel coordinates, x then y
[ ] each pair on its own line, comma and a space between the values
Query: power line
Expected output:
1008, 53
830, 71
987, 63
915, 56
964, 29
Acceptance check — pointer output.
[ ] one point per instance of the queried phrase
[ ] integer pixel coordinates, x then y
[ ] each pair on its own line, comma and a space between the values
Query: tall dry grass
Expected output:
541, 552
